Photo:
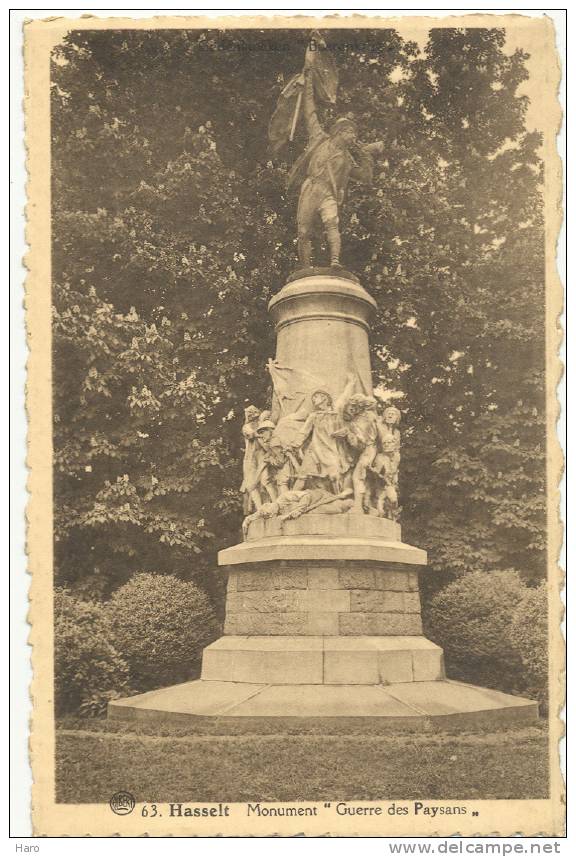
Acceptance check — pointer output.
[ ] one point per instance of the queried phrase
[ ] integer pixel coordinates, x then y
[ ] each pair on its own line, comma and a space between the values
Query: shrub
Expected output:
160, 624
529, 636
471, 620
93, 587
88, 669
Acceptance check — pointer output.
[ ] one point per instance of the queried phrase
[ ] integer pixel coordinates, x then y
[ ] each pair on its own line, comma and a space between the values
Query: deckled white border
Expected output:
22, 673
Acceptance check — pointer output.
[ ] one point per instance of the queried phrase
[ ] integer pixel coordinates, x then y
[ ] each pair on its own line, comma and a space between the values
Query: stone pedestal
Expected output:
307, 598
323, 612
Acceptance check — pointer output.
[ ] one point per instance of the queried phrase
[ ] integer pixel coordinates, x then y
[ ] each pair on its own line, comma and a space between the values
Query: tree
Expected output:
494, 466
452, 248
172, 229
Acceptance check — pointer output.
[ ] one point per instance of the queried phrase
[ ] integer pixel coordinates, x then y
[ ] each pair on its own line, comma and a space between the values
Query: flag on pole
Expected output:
284, 120
324, 70
322, 67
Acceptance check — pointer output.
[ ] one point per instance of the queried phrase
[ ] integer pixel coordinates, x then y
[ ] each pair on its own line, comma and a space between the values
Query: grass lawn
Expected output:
161, 764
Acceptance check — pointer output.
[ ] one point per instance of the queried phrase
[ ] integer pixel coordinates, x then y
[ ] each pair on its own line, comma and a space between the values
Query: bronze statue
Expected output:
331, 158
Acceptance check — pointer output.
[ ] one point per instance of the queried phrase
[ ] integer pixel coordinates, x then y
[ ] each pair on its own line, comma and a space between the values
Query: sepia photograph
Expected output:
294, 475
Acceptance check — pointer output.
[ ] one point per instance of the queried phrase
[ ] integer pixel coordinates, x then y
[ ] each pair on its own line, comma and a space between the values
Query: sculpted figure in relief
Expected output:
387, 463
361, 432
346, 449
269, 466
251, 463
324, 455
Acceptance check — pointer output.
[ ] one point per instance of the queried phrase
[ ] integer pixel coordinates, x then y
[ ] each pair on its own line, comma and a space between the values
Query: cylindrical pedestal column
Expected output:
322, 325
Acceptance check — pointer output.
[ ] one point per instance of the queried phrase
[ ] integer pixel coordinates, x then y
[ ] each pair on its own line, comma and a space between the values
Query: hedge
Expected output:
89, 671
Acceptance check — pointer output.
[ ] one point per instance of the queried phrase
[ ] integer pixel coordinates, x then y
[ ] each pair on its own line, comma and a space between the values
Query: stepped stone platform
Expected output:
402, 705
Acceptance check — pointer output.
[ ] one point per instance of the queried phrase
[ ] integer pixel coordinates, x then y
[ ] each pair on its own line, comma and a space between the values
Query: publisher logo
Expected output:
122, 803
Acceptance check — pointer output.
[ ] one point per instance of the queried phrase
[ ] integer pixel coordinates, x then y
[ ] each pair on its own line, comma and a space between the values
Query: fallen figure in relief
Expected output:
292, 504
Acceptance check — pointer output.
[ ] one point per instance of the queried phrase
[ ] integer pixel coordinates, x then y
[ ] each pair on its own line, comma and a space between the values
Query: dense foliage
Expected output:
88, 669
171, 229
492, 628
160, 624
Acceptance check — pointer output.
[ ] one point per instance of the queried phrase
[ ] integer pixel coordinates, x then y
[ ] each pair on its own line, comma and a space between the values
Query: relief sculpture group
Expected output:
330, 457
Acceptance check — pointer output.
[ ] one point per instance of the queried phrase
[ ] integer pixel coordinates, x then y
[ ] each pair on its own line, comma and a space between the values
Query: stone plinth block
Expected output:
379, 624
370, 601
281, 624
288, 660
267, 601
348, 525
322, 576
272, 576
366, 576
322, 659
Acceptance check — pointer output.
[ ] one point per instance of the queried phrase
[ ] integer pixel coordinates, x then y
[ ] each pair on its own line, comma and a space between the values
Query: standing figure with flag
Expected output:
331, 158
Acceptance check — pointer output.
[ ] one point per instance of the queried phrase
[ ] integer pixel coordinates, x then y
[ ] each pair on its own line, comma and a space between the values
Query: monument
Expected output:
323, 614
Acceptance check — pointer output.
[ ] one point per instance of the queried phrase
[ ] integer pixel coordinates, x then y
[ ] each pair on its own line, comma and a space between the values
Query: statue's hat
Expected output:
342, 123
321, 391
265, 424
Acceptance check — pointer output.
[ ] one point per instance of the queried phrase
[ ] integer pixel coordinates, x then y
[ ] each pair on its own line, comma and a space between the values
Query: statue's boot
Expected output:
334, 244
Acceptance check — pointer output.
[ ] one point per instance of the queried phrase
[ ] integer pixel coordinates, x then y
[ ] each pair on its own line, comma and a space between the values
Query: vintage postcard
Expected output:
293, 315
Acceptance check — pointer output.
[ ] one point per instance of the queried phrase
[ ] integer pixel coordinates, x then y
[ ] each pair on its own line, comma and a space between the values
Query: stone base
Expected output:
322, 271
411, 705
349, 525
322, 660
319, 549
